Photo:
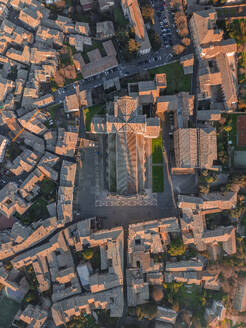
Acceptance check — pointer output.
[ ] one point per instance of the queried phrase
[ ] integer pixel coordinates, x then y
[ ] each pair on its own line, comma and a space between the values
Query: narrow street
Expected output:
125, 311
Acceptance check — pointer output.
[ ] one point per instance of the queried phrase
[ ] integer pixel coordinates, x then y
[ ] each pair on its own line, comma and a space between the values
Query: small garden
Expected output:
54, 109
89, 254
180, 296
82, 321
119, 18
177, 81
12, 151
176, 247
223, 128
157, 165
37, 211
89, 112
157, 157
206, 178
177, 296
157, 178
126, 43
48, 190
31, 277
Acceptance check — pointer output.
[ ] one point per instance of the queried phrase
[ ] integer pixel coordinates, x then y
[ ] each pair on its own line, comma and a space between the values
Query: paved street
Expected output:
156, 59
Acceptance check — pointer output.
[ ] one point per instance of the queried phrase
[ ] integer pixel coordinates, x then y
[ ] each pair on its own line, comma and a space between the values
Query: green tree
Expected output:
204, 189
205, 173
176, 248
88, 254
171, 291
31, 297
148, 13
133, 45
209, 179
227, 128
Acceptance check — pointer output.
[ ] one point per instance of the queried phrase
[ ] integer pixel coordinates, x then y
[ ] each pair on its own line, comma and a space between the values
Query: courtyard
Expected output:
176, 80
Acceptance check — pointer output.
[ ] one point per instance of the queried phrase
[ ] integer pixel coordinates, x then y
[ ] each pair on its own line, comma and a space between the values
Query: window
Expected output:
137, 242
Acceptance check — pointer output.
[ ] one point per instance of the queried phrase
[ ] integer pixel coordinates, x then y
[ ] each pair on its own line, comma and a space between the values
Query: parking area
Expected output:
164, 23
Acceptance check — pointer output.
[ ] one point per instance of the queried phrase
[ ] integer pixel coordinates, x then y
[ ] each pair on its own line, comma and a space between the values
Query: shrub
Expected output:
147, 311
176, 248
186, 41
